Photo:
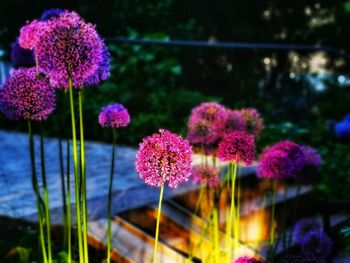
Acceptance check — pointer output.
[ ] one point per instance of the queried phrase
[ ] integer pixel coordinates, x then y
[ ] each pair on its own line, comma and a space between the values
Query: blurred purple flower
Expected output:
342, 129
114, 116
21, 57
303, 227
30, 34
204, 174
233, 121
254, 124
316, 245
162, 157
274, 164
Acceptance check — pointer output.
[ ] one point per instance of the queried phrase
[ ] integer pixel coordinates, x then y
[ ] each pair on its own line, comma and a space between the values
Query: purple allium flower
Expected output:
274, 164
205, 123
114, 116
27, 95
233, 121
204, 174
246, 260
203, 132
162, 157
237, 147
310, 172
30, 34
295, 154
103, 69
21, 57
316, 245
304, 226
69, 47
254, 124
312, 158
51, 13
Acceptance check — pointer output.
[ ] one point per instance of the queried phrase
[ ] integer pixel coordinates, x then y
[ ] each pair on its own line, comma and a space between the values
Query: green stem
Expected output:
64, 196
46, 199
157, 226
272, 222
76, 173
109, 208
83, 178
232, 208
69, 217
37, 192
216, 235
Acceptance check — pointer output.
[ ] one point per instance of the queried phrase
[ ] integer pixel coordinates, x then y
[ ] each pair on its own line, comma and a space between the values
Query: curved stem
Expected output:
46, 199
157, 226
76, 173
37, 192
83, 177
109, 208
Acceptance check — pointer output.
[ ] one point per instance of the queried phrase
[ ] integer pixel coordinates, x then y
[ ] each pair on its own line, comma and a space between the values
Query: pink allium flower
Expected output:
205, 123
294, 152
254, 124
27, 95
274, 164
204, 174
114, 116
233, 121
237, 147
162, 157
30, 34
69, 47
246, 260
203, 132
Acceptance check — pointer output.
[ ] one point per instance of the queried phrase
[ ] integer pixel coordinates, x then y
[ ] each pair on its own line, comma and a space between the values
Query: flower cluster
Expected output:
303, 227
295, 154
246, 260
27, 95
69, 48
162, 157
114, 116
22, 57
316, 245
254, 124
233, 121
205, 174
30, 34
237, 147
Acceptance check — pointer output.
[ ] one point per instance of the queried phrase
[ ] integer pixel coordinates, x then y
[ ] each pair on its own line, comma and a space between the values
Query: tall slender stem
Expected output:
232, 215
76, 173
272, 222
37, 192
157, 226
63, 186
69, 217
83, 177
109, 208
46, 199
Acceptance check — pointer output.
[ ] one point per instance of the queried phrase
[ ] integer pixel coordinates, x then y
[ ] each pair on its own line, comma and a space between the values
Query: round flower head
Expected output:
204, 174
274, 164
21, 57
103, 69
30, 34
303, 227
162, 157
69, 48
295, 154
246, 260
205, 123
254, 124
237, 147
51, 13
203, 132
114, 116
316, 245
233, 121
312, 158
309, 173
27, 95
